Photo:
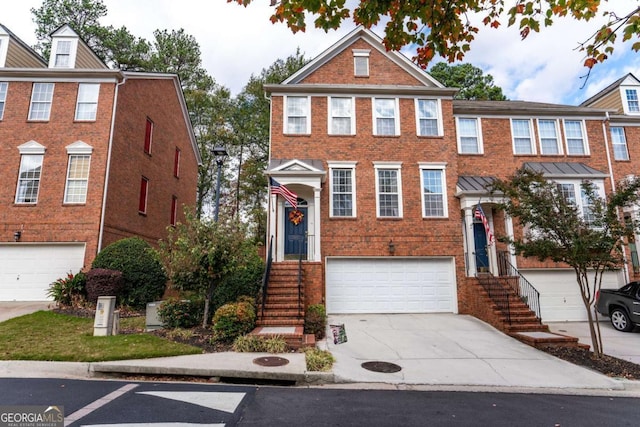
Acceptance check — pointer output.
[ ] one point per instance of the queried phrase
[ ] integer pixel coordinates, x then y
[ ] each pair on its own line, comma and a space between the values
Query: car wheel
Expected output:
620, 320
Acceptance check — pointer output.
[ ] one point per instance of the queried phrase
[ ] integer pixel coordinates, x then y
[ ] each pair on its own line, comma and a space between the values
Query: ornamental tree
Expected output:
589, 239
445, 27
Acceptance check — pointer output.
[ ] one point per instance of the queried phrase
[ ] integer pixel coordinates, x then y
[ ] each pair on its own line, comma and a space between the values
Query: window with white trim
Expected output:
574, 137
75, 190
87, 102
388, 190
63, 54
434, 200
548, 134
41, 98
343, 189
569, 190
428, 117
522, 140
29, 178
385, 116
631, 96
469, 135
361, 62
341, 117
3, 97
297, 115
619, 143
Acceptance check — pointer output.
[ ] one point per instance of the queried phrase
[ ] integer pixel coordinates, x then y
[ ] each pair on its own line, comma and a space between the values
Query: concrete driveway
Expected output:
623, 345
10, 309
449, 350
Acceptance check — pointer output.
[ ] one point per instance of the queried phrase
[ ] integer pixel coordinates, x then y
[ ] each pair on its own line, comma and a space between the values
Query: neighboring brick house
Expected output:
88, 155
389, 169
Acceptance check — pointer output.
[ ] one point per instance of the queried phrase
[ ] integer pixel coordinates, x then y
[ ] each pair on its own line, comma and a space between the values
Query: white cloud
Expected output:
236, 42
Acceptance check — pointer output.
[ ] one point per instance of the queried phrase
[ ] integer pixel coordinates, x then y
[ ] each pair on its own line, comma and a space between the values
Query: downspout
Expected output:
625, 268
108, 168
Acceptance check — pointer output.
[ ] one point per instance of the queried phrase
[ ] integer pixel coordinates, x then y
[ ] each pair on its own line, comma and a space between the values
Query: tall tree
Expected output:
444, 27
589, 240
473, 83
250, 124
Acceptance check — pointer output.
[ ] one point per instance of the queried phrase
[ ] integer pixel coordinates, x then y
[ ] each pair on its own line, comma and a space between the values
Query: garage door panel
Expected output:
27, 270
398, 285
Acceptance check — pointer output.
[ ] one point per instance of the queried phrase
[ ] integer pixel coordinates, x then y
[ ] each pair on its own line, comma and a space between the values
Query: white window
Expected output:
343, 189
361, 62
41, 97
29, 178
87, 102
385, 116
3, 97
574, 135
619, 142
388, 190
77, 179
341, 117
569, 189
63, 53
632, 100
434, 200
297, 115
522, 140
469, 135
427, 117
548, 133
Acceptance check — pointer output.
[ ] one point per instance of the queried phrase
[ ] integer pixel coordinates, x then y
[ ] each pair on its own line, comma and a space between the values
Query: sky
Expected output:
237, 42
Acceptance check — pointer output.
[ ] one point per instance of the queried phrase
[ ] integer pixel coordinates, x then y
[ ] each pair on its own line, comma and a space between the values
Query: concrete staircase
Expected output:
283, 313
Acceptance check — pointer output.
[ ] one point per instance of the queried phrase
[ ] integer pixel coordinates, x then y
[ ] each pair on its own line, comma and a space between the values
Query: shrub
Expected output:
180, 313
318, 360
245, 280
232, 320
315, 321
70, 290
258, 344
144, 277
102, 282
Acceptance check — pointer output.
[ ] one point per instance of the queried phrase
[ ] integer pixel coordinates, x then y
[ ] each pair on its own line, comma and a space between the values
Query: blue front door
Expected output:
295, 235
480, 245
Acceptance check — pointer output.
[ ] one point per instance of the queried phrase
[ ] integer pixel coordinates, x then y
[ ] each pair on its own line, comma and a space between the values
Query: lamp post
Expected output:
220, 154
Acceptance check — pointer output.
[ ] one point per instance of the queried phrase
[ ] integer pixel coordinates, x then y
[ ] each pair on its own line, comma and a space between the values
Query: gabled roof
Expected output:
85, 56
295, 166
565, 170
361, 32
19, 53
629, 79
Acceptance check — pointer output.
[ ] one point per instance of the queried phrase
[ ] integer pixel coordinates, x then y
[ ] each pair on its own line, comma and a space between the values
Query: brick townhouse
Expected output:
88, 155
389, 170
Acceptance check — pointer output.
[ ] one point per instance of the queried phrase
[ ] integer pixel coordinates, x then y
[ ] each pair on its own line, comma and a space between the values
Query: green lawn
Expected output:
45, 335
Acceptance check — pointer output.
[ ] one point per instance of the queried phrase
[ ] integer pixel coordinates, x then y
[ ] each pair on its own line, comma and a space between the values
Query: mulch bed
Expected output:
201, 337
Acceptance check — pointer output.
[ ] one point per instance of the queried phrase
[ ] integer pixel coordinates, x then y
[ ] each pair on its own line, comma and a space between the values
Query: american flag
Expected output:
482, 217
277, 188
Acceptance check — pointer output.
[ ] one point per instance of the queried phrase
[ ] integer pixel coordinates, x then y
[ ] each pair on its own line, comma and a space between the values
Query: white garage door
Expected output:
560, 298
390, 285
26, 270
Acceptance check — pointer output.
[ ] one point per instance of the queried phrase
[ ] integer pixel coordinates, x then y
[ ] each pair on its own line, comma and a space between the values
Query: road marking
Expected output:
80, 413
227, 402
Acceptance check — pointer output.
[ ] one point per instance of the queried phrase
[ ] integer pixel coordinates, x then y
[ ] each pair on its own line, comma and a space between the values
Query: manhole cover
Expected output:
270, 361
384, 367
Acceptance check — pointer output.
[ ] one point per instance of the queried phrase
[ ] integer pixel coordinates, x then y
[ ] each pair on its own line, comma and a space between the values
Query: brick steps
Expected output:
295, 340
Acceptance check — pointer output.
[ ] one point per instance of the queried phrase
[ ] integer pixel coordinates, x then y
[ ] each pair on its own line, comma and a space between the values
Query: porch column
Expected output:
272, 228
316, 256
508, 228
470, 242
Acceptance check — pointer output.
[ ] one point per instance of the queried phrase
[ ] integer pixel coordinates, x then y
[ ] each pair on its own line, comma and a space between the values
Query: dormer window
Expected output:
64, 48
632, 100
63, 53
361, 62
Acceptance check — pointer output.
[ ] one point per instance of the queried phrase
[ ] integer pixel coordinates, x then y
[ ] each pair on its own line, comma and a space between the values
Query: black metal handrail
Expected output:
525, 290
300, 283
267, 272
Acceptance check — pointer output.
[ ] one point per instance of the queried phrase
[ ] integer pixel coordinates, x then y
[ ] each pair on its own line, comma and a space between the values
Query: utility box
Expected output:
103, 323
153, 320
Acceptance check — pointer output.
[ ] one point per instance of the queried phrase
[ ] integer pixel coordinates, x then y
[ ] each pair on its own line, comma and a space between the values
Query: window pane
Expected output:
428, 117
468, 131
433, 192
619, 143
77, 179
41, 101
342, 192
87, 105
361, 65
548, 136
522, 136
29, 178
388, 192
297, 110
385, 113
340, 116
575, 142
632, 100
3, 97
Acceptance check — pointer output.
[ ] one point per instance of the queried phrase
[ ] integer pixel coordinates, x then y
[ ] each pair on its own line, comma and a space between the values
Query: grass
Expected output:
45, 335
